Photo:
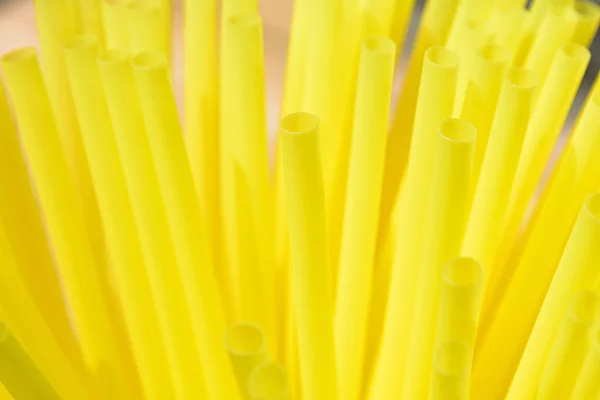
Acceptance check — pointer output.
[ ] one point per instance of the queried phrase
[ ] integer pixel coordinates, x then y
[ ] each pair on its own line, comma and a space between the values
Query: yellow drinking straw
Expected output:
310, 273
436, 101
92, 21
185, 221
588, 18
510, 26
361, 210
247, 348
144, 21
445, 222
588, 382
450, 372
18, 373
116, 24
577, 271
148, 210
499, 166
268, 381
569, 348
63, 216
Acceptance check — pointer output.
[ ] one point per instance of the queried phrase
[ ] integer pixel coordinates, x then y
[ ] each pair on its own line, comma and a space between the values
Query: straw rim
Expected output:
583, 308
81, 41
251, 328
457, 130
19, 55
462, 368
442, 57
521, 77
149, 60
592, 205
379, 45
114, 56
280, 392
576, 51
473, 267
587, 9
494, 53
300, 123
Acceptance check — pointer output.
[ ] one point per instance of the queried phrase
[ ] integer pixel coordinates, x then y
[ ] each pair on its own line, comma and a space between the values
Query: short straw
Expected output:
362, 209
445, 223
436, 101
310, 273
577, 271
144, 22
511, 119
128, 268
588, 382
116, 24
569, 348
268, 381
247, 348
450, 371
588, 18
148, 210
64, 216
18, 373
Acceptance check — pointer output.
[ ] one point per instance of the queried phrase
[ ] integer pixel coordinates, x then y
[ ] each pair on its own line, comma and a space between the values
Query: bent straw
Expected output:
128, 268
18, 373
24, 320
25, 231
152, 227
575, 177
116, 24
460, 301
488, 211
436, 100
185, 221
144, 19
64, 216
577, 271
569, 348
588, 18
361, 210
445, 224
588, 382
450, 372
268, 381
247, 348
310, 273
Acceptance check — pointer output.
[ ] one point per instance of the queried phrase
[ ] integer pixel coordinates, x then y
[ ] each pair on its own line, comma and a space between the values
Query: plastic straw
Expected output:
92, 21
588, 18
451, 367
499, 166
247, 348
588, 382
144, 21
362, 209
150, 219
436, 100
569, 348
268, 381
445, 223
63, 215
310, 272
183, 214
116, 24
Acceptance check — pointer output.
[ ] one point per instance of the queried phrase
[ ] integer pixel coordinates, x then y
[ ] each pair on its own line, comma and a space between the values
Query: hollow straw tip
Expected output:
457, 131
268, 381
244, 339
463, 272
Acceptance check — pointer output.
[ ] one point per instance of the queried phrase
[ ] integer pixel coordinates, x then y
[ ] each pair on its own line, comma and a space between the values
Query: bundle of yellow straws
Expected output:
145, 258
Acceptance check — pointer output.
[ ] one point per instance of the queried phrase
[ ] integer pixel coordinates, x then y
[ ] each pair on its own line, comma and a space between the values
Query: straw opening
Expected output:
458, 130
463, 271
442, 57
522, 77
300, 122
268, 381
583, 308
379, 44
149, 60
244, 339
20, 55
81, 41
114, 56
592, 205
576, 50
453, 359
587, 9
494, 53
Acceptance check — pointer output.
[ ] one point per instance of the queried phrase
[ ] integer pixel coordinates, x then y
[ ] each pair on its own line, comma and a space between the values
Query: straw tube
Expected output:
152, 227
569, 348
127, 264
144, 19
450, 372
588, 18
362, 209
116, 24
577, 271
518, 305
268, 381
445, 222
185, 221
436, 100
310, 273
588, 382
247, 348
18, 373
511, 119
63, 214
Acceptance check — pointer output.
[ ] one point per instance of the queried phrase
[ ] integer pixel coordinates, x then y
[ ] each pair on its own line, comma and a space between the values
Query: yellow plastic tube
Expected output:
361, 211
569, 348
148, 210
63, 216
23, 319
577, 271
502, 344
268, 381
445, 223
499, 166
116, 24
144, 19
185, 221
555, 31
509, 26
436, 101
450, 372
247, 348
92, 21
540, 9
460, 300
588, 382
588, 18
311, 287
18, 373
128, 267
